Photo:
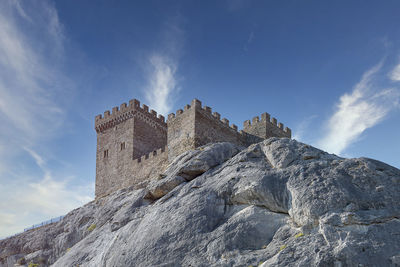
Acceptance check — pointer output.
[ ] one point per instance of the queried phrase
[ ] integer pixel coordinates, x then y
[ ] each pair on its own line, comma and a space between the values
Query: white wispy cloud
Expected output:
38, 159
32, 109
28, 200
162, 66
367, 105
395, 74
27, 76
162, 84
55, 196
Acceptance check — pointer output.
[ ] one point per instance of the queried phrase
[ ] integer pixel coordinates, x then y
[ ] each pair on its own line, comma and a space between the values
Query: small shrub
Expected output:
68, 249
282, 247
261, 262
31, 264
299, 235
91, 227
21, 261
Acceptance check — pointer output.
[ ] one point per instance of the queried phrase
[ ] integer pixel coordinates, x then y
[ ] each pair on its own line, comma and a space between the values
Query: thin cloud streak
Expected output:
31, 111
38, 159
363, 108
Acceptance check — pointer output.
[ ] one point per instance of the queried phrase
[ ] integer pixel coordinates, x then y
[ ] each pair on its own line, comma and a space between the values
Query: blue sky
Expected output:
329, 70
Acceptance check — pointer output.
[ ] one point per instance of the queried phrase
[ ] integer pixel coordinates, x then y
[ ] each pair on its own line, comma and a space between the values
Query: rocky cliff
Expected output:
275, 203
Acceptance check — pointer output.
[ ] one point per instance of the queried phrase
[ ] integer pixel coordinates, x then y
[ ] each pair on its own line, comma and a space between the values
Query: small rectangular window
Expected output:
122, 145
106, 153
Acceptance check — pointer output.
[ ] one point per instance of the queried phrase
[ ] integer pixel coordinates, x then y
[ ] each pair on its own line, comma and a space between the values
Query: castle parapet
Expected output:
125, 112
266, 127
151, 155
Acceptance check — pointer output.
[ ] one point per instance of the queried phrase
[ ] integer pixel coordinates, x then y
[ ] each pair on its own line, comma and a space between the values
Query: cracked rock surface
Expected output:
276, 203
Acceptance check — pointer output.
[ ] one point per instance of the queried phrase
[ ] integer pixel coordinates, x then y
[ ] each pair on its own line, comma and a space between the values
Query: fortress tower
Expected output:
134, 145
126, 134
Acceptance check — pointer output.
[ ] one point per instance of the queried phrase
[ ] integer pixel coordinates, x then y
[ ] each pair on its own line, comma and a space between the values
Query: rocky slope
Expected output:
276, 203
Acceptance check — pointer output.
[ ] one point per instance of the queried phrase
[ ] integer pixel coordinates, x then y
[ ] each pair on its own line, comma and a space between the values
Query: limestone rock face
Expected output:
275, 203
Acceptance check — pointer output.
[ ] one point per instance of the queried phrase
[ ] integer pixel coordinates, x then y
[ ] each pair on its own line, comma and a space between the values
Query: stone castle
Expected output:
131, 140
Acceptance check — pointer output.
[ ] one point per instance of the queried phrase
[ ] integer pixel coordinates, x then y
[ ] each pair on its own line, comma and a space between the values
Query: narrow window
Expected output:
122, 145
106, 153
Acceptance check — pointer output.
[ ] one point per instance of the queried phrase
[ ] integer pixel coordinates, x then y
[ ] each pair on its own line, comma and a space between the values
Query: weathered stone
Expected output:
275, 203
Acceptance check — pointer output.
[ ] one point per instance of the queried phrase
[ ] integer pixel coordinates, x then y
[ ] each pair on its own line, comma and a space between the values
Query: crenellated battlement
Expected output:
125, 112
153, 154
215, 116
127, 154
267, 122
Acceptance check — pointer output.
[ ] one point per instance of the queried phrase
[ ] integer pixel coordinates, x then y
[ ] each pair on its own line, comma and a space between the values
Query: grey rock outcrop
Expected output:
275, 203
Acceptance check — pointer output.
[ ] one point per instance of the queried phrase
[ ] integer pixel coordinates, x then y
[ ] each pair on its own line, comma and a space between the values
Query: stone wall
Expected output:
138, 172
112, 168
147, 136
209, 128
143, 169
181, 135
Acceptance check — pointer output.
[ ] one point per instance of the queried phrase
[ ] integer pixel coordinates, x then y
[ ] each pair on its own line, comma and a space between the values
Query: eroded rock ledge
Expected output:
275, 203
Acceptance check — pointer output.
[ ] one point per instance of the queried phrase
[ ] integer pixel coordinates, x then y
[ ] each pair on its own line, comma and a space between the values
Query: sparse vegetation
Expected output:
31, 264
91, 227
282, 247
299, 235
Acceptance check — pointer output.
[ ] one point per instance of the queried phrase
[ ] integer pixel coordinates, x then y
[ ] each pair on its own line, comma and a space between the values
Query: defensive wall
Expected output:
131, 140
197, 125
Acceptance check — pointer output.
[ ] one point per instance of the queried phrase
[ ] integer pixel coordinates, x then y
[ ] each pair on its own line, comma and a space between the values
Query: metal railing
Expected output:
53, 220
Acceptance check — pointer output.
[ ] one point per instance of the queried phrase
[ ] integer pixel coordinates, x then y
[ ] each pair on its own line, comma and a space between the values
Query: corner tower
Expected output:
258, 130
125, 134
